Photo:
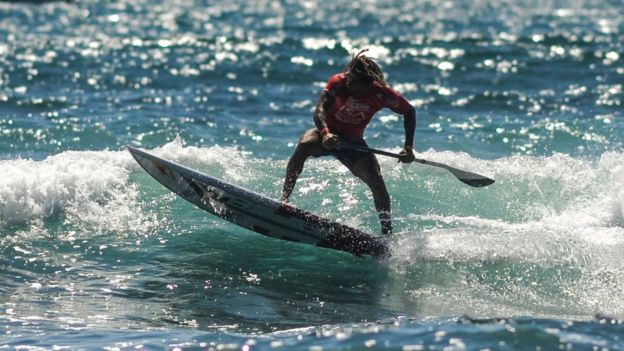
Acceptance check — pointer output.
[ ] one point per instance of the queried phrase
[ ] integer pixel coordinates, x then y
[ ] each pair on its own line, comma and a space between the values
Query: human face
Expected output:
358, 85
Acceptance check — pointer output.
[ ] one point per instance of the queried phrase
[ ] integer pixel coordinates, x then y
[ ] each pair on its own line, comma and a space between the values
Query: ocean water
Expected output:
94, 254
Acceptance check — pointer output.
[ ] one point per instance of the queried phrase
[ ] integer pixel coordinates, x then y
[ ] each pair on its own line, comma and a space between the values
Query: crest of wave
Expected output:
226, 162
88, 186
94, 187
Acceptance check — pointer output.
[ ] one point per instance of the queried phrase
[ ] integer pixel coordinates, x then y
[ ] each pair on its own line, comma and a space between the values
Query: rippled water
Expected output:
95, 254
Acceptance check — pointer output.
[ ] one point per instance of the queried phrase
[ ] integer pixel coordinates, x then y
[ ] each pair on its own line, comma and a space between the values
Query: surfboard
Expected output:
258, 212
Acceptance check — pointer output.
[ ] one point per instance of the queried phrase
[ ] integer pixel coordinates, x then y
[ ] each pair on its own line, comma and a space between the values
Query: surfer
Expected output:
344, 109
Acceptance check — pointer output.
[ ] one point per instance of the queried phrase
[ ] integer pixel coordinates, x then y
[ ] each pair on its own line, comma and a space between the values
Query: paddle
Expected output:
471, 179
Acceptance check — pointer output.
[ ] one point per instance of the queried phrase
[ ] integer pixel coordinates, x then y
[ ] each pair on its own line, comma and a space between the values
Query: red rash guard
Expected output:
349, 116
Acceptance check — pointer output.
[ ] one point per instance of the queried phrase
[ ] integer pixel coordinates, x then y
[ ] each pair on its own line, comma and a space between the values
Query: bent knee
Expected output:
309, 144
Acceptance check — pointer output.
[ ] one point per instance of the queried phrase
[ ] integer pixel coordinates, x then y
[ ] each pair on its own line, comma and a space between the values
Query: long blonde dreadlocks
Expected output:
364, 66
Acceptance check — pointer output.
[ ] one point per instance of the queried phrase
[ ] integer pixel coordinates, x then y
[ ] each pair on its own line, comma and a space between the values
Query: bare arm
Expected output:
329, 140
409, 123
323, 105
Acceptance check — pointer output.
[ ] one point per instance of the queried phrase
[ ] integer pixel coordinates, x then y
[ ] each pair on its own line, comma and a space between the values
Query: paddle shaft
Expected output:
380, 152
468, 178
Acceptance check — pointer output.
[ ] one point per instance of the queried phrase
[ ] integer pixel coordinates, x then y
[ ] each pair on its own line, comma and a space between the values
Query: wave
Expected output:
77, 183
557, 191
95, 187
544, 240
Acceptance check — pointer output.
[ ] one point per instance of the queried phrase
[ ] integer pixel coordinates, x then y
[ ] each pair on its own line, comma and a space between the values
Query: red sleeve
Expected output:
334, 84
394, 101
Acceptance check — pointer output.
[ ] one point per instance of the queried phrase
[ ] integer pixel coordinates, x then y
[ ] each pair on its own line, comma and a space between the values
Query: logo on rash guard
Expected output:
353, 111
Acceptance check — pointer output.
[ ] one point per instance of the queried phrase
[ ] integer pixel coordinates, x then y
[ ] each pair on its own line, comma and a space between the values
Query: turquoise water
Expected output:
94, 254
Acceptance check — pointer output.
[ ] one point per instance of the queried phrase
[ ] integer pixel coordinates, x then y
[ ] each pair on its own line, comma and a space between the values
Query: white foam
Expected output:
561, 217
37, 189
94, 188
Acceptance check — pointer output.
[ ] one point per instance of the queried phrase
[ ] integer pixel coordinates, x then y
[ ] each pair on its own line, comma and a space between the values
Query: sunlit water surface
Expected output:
95, 254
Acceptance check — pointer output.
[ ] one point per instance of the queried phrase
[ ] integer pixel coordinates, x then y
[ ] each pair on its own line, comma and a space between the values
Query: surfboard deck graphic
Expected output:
257, 212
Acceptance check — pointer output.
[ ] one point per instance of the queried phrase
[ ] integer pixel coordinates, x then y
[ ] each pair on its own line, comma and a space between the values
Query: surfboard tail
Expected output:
356, 244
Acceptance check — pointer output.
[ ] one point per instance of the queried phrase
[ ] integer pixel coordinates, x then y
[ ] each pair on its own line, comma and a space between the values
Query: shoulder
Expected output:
339, 78
335, 84
390, 98
384, 89
384, 92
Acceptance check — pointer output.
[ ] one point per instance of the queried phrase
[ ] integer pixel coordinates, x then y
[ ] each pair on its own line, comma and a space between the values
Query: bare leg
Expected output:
309, 145
367, 168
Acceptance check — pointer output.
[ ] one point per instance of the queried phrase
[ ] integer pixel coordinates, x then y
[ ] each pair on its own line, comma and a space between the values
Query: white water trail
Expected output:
552, 248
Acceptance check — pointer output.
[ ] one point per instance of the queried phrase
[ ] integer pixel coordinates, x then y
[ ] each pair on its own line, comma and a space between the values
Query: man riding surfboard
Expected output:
344, 109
